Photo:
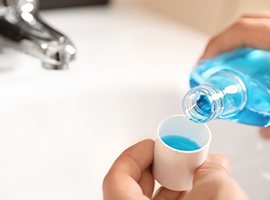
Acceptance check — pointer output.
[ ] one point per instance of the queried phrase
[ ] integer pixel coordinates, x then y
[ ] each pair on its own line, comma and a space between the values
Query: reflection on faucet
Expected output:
22, 28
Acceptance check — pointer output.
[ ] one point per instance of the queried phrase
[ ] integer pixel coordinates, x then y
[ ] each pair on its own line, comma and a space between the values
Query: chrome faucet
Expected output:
22, 28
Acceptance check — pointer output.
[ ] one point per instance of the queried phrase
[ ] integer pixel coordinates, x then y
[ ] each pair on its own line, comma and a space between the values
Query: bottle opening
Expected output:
200, 104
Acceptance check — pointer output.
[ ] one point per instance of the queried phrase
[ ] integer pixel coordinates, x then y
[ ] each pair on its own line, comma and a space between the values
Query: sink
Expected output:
61, 130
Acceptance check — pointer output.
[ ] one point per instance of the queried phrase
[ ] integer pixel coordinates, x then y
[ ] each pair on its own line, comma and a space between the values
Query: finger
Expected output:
213, 181
215, 162
223, 42
259, 15
164, 193
147, 182
134, 160
265, 133
245, 32
121, 180
210, 176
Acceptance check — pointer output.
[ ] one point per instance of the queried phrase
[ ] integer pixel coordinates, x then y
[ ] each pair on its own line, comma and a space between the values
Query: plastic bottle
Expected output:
233, 86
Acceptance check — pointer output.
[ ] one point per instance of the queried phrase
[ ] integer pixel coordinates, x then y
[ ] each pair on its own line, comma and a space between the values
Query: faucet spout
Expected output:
22, 28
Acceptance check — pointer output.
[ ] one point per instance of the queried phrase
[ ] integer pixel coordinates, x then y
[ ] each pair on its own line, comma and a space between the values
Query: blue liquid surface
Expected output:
180, 143
253, 67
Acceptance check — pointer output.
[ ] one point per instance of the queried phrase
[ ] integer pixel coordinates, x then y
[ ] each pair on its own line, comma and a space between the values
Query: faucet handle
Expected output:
22, 28
29, 6
60, 52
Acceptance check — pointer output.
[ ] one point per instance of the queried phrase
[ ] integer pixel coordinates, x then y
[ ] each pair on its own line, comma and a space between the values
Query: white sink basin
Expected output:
61, 130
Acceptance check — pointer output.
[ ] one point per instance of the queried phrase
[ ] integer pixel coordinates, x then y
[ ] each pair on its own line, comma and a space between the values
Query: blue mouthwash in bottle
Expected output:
233, 86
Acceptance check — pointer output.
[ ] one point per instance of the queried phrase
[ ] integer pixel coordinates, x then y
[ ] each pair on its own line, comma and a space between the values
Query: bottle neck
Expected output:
221, 96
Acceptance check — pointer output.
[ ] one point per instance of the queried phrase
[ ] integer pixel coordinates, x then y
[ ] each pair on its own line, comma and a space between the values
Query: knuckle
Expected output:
211, 41
214, 178
107, 180
110, 178
241, 23
242, 16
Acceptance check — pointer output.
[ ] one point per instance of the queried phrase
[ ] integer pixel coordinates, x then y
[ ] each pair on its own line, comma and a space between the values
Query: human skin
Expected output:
130, 178
252, 30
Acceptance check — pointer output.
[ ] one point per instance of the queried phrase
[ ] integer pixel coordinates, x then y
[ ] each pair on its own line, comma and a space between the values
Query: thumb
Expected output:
213, 181
213, 175
215, 163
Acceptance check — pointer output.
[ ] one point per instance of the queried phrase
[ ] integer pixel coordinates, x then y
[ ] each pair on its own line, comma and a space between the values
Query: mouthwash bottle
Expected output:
233, 86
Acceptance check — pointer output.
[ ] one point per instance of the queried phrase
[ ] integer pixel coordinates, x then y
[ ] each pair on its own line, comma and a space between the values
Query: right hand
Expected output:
251, 30
131, 178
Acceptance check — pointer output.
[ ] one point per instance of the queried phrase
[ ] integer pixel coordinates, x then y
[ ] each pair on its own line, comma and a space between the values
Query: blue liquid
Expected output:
253, 67
180, 143
204, 104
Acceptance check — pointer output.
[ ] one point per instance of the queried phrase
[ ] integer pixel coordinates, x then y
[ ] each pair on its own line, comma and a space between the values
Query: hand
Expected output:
130, 178
250, 30
265, 133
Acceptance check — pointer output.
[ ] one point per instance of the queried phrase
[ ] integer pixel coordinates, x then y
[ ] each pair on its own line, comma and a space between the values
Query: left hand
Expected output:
130, 178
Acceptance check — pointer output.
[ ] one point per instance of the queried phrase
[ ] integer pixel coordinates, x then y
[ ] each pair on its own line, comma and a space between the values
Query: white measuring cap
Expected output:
174, 168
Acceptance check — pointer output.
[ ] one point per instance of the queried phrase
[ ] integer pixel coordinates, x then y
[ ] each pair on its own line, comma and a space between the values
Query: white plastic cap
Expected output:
174, 168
